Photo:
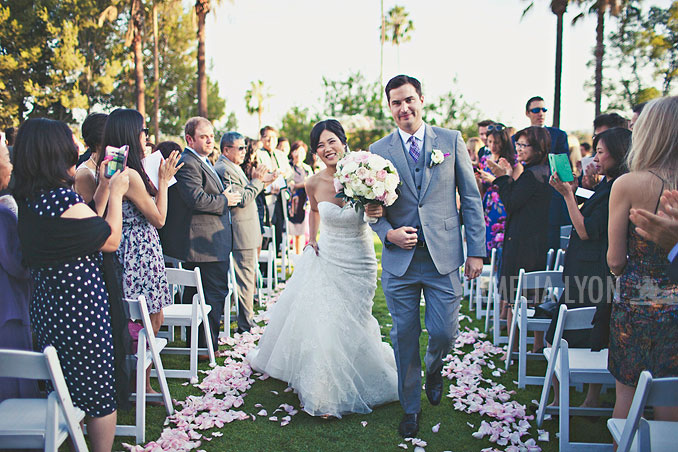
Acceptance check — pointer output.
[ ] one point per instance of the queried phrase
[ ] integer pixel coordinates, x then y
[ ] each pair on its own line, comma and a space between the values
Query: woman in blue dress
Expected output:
500, 145
62, 240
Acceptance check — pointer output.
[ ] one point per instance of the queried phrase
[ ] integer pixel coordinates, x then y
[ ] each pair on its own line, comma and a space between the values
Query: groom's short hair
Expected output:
400, 80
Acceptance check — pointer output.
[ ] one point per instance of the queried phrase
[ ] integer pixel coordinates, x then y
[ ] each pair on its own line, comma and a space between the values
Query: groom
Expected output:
423, 244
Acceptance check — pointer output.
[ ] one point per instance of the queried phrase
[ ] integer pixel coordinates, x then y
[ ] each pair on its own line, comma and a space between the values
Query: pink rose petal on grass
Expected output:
363, 423
435, 428
262, 413
217, 434
402, 445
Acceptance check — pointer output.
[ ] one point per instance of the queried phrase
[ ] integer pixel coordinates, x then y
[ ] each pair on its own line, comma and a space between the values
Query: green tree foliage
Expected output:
356, 103
643, 50
297, 124
43, 67
177, 58
398, 26
453, 111
255, 98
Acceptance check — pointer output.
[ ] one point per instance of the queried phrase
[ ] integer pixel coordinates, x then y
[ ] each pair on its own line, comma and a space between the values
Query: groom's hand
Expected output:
405, 237
473, 267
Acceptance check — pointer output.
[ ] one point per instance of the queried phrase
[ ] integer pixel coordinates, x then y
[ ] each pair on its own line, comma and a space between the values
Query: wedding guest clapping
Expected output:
144, 209
244, 220
297, 208
586, 274
644, 321
526, 200
62, 240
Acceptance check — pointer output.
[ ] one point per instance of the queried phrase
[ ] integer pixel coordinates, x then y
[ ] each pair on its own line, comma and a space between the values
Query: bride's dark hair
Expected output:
331, 125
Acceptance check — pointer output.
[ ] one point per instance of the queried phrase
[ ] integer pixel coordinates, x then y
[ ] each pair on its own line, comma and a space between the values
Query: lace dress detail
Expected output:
322, 338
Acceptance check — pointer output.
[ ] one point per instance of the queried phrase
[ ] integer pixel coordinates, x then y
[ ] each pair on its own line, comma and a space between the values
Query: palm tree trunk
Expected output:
202, 7
381, 62
139, 85
599, 53
559, 70
156, 75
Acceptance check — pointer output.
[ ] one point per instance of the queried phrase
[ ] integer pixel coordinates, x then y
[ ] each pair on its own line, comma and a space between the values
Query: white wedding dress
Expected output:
322, 338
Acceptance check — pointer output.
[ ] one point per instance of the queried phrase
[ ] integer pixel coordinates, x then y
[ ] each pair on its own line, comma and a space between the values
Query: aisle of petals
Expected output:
469, 391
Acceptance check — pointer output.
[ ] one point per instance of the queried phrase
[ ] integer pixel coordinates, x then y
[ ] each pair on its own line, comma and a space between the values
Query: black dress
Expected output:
69, 308
526, 201
587, 277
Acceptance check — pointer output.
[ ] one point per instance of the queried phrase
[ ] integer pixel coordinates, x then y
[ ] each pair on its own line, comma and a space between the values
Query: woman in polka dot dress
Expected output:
62, 240
144, 209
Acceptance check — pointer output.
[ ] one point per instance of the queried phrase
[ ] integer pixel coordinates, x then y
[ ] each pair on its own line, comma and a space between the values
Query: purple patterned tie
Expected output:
414, 148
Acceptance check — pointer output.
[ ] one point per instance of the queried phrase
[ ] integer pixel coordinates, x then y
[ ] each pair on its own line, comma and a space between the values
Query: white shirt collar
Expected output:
419, 134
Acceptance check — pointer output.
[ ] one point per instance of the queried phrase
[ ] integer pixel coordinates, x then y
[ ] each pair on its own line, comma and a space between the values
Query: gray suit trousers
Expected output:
246, 279
403, 294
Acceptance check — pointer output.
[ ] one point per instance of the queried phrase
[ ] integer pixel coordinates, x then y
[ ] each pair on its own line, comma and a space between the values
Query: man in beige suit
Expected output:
245, 220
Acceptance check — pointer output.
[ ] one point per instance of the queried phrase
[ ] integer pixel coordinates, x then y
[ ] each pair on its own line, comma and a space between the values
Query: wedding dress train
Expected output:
322, 338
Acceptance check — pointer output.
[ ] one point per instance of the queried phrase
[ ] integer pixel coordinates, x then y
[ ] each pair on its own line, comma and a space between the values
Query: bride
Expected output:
322, 338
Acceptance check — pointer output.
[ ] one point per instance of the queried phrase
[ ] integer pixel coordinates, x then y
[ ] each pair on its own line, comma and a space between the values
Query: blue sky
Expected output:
499, 60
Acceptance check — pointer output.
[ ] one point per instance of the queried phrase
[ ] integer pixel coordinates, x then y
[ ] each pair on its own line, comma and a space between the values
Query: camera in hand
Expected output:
116, 158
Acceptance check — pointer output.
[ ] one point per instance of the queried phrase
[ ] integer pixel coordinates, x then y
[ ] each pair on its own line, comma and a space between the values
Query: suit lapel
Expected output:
430, 143
397, 152
210, 171
236, 171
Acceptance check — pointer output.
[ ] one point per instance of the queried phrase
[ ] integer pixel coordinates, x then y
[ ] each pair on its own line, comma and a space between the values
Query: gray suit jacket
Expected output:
245, 217
434, 205
198, 226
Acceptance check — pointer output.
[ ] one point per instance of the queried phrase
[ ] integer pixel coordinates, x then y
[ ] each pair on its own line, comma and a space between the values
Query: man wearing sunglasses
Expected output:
244, 220
535, 110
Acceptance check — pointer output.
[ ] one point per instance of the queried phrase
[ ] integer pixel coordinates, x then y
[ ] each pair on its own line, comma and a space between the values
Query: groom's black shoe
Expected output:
409, 426
434, 387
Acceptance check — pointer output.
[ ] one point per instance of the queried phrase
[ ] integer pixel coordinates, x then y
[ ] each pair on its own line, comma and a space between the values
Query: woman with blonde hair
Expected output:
644, 319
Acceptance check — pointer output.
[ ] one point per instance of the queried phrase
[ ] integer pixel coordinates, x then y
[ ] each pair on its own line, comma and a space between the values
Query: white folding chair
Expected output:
185, 315
39, 423
488, 273
286, 246
524, 321
635, 433
231, 303
560, 260
269, 257
549, 259
572, 367
174, 290
147, 354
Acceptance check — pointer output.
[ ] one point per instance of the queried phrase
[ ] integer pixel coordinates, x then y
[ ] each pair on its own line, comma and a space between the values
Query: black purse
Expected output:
546, 310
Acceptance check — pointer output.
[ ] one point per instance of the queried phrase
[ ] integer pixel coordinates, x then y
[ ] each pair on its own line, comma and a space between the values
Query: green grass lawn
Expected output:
306, 433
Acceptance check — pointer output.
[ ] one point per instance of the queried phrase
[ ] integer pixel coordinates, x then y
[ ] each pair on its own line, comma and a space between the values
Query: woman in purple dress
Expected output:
15, 285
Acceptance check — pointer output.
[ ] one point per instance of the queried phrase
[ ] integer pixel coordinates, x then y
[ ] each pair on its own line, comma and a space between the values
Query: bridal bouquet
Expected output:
363, 177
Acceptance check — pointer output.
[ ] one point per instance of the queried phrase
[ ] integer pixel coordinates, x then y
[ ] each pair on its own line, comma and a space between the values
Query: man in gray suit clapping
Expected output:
423, 243
244, 220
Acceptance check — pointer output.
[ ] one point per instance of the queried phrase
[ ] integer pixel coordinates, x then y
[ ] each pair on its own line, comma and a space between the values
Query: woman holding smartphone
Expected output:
144, 209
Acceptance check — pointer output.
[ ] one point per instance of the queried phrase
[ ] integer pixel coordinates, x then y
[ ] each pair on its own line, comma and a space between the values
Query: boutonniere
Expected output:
437, 157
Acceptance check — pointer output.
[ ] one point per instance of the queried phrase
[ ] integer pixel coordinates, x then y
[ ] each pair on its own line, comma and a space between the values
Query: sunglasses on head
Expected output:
495, 127
538, 109
146, 131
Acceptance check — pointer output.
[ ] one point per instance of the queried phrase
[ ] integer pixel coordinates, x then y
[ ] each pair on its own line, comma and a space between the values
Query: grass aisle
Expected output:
376, 431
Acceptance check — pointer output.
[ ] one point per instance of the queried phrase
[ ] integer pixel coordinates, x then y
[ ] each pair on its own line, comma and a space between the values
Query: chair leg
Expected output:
141, 398
522, 351
52, 423
564, 406
511, 338
194, 349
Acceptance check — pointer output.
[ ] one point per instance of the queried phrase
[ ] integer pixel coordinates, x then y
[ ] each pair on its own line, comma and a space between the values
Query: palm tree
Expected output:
558, 7
254, 99
156, 75
399, 27
133, 38
599, 8
202, 7
382, 39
